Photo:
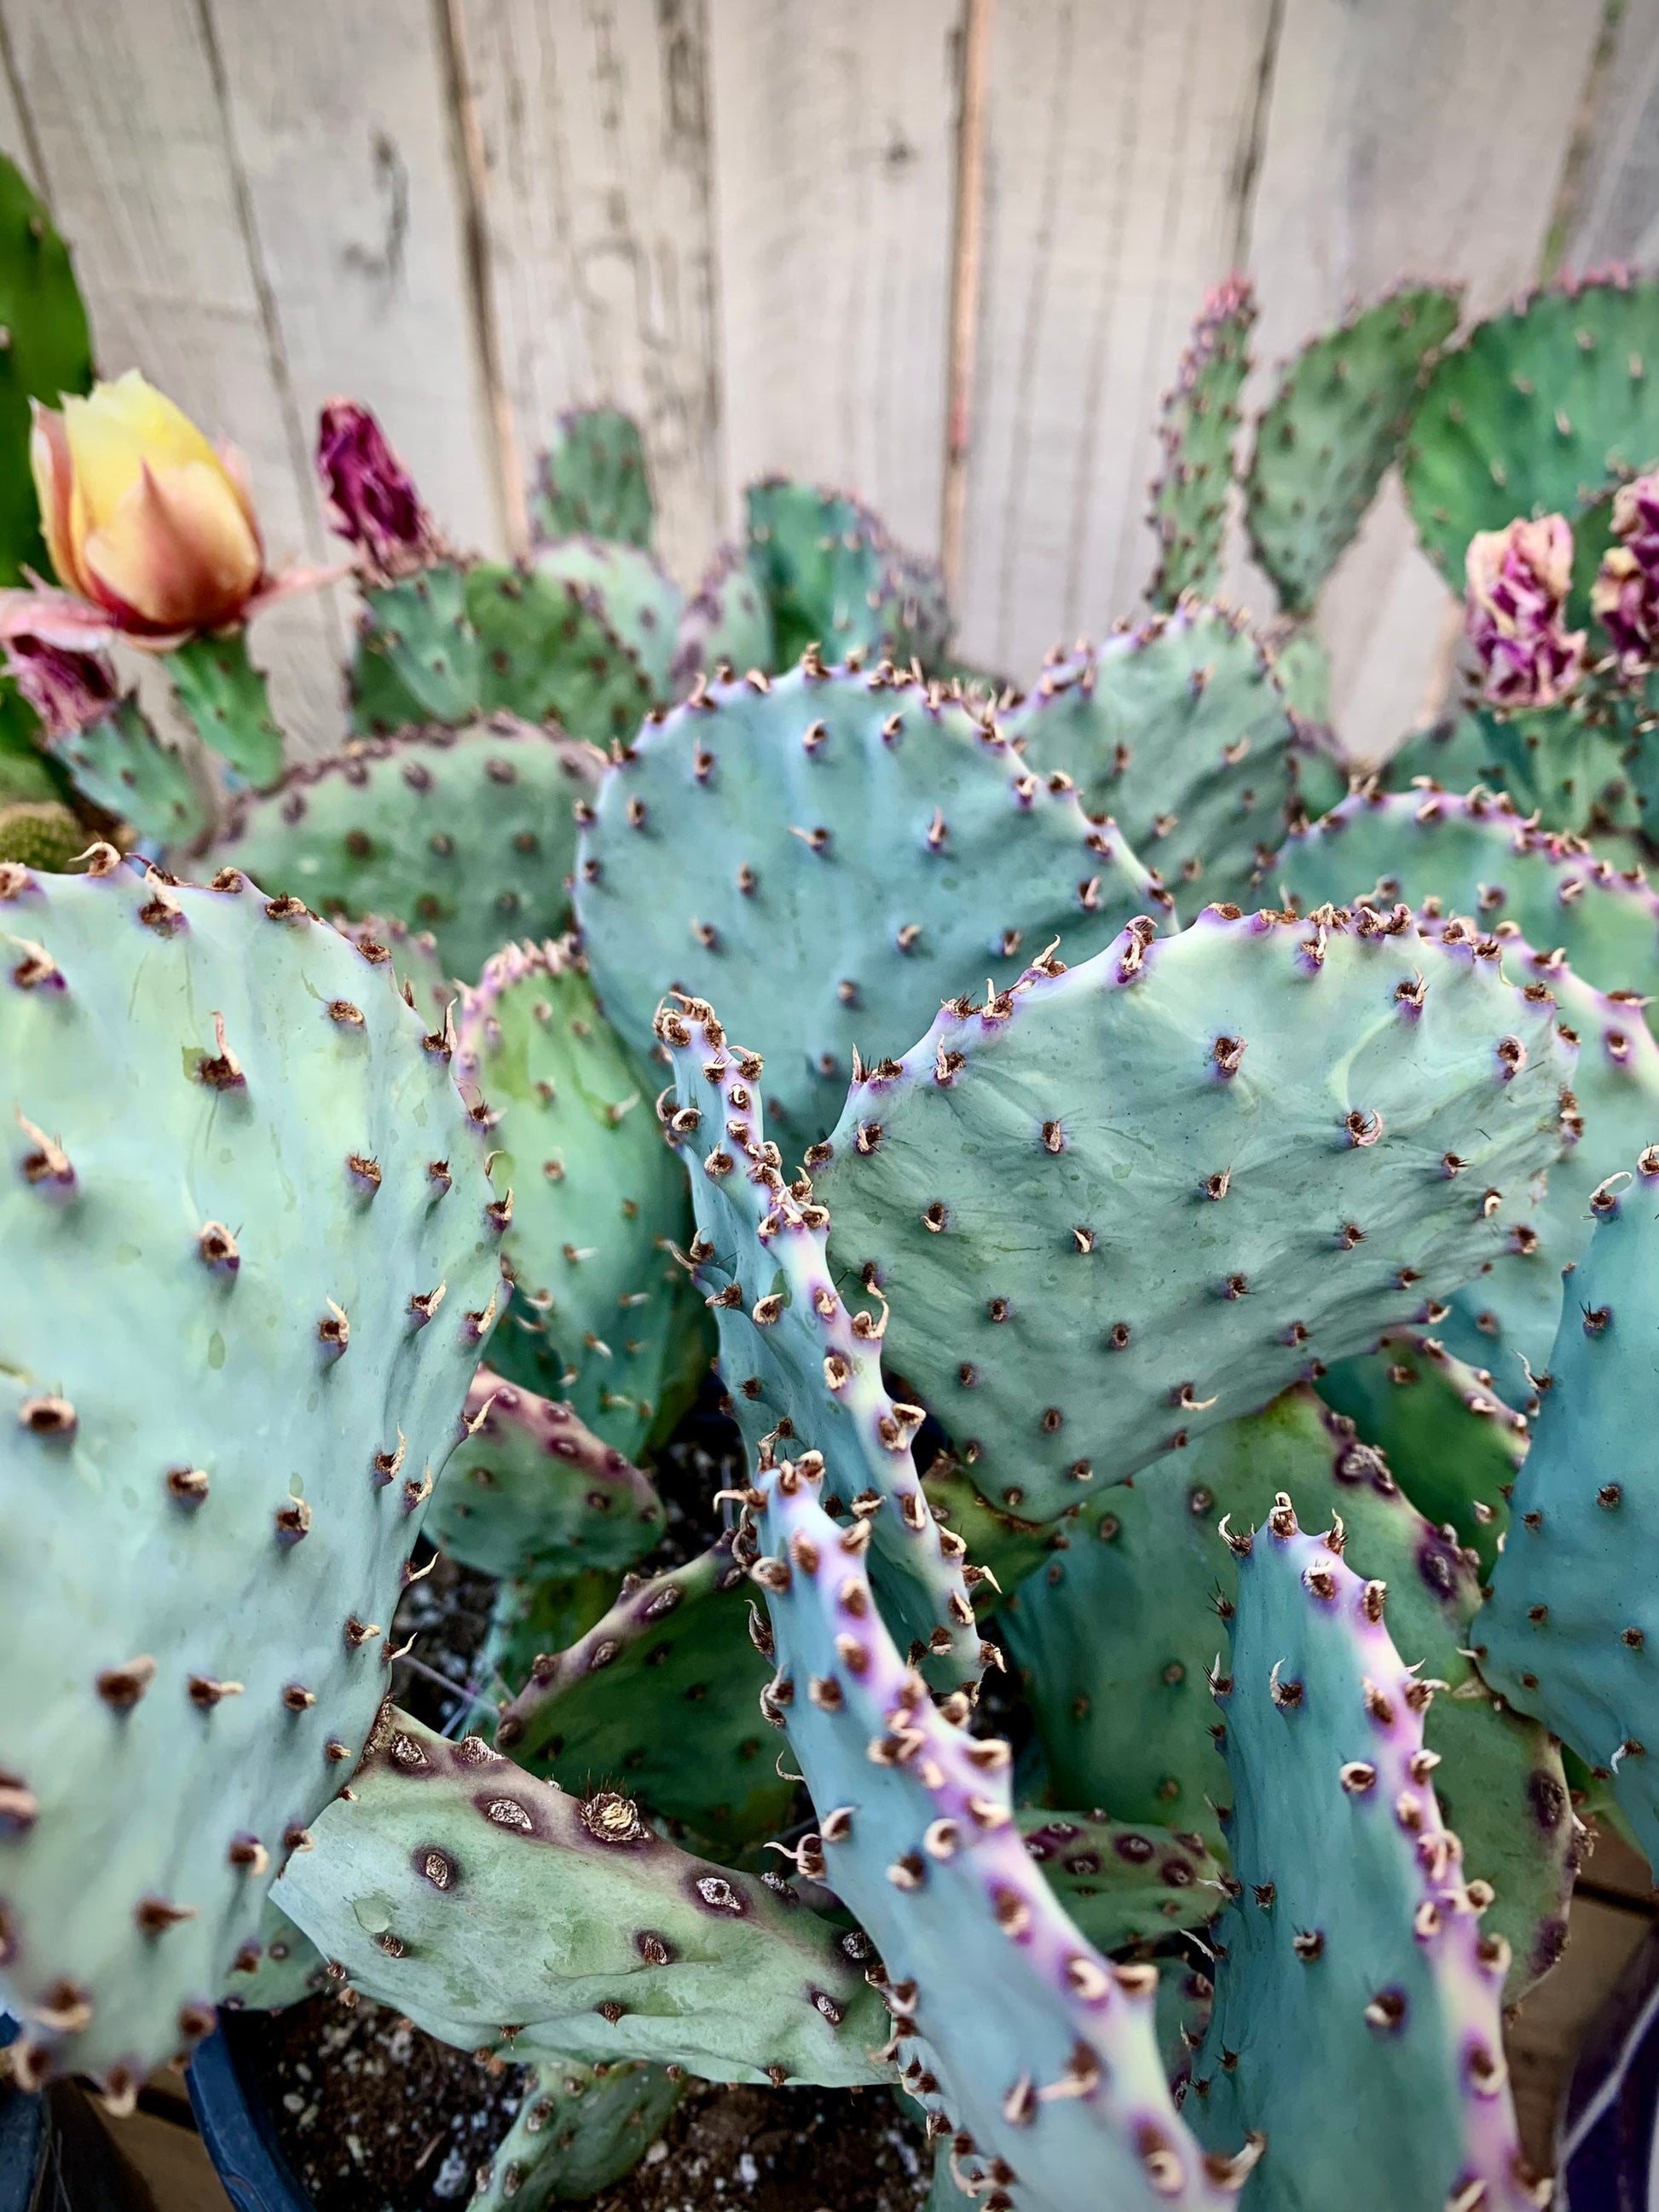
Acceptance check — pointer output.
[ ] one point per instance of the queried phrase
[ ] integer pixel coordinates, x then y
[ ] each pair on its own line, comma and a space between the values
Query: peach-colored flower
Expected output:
151, 531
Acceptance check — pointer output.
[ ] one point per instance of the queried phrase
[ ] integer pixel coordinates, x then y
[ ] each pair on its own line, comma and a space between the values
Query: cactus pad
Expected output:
1478, 857
661, 1700
469, 834
530, 1492
549, 654
1123, 1883
1089, 1180
417, 657
579, 2128
1333, 426
1180, 731
220, 1482
1199, 423
120, 764
225, 697
1535, 414
497, 1911
826, 857
1450, 1443
597, 1196
1043, 2054
1354, 1953
1575, 1600
639, 600
729, 619
592, 481
799, 1368
41, 834
834, 579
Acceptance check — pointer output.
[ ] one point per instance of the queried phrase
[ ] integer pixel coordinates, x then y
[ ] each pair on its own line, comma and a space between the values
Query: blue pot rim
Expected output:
236, 2127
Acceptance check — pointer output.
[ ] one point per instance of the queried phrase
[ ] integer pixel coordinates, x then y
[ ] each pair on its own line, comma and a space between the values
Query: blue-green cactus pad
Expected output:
1198, 423
592, 480
579, 2128
225, 1117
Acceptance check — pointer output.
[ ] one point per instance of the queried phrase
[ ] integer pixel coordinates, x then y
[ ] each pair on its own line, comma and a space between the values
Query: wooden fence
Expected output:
756, 222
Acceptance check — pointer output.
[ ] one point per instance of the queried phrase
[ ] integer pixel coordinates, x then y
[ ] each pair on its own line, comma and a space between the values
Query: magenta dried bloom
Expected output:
67, 690
1624, 599
1514, 613
372, 500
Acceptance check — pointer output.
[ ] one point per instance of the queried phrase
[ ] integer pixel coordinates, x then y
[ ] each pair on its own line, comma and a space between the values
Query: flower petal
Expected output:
178, 552
113, 434
56, 619
49, 462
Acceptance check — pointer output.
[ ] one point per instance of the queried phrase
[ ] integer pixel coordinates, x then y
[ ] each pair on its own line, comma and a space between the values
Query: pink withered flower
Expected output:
69, 691
1625, 599
1515, 612
372, 500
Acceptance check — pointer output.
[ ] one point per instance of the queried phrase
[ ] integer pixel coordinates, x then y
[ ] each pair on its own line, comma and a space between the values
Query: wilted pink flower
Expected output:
1515, 612
67, 690
1625, 599
372, 500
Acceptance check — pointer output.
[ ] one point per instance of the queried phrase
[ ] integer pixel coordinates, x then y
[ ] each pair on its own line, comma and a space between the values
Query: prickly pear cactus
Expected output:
1041, 2053
1178, 730
48, 352
1353, 1953
595, 1198
579, 2128
834, 579
639, 600
1122, 1881
549, 654
1197, 423
727, 620
225, 697
1331, 429
530, 1492
288, 1212
461, 1890
1572, 1610
1451, 1444
796, 1363
469, 834
121, 764
1089, 1179
683, 1641
1478, 857
592, 481
826, 857
1536, 413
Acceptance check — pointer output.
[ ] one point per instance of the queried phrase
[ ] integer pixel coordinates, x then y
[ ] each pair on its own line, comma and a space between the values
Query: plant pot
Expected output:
236, 2128
56, 2154
1607, 2137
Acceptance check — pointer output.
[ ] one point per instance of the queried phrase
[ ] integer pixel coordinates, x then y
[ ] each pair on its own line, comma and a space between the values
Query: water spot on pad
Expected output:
216, 1351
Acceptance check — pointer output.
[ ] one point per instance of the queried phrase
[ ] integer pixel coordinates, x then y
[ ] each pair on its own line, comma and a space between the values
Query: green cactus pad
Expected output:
1478, 857
826, 857
1197, 427
1123, 1883
1166, 1182
661, 1700
413, 955
1536, 413
579, 2128
1450, 1443
1505, 1319
120, 764
550, 654
469, 833
1035, 2049
1333, 428
531, 1493
592, 481
498, 1912
279, 1967
637, 597
224, 696
598, 1197
41, 834
1001, 1542
220, 1482
1115, 1635
799, 1368
1573, 1618
1353, 1954
834, 579
1179, 729
529, 1618
728, 621
418, 658
48, 353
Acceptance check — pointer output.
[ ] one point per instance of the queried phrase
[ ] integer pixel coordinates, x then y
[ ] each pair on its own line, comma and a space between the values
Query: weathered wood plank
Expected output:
594, 125
1120, 140
1614, 212
138, 163
341, 124
834, 160
1406, 137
